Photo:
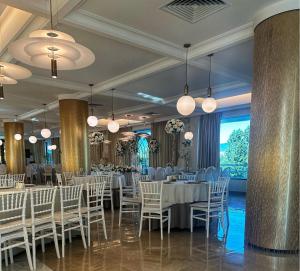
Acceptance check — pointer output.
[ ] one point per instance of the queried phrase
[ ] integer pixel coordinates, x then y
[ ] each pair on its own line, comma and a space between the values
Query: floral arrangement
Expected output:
132, 146
154, 145
124, 169
174, 126
187, 143
96, 138
120, 148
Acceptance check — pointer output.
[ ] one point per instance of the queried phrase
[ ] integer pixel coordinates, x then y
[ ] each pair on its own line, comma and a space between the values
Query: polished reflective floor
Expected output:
180, 251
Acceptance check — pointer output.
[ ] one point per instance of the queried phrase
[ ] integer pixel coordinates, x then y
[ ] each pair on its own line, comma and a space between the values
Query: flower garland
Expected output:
132, 146
187, 143
96, 138
120, 148
174, 126
154, 145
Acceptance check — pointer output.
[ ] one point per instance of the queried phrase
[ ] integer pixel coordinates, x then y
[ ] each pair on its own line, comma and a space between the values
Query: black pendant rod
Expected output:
112, 103
209, 90
186, 87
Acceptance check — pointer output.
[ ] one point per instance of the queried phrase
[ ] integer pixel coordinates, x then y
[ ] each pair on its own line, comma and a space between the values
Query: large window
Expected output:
234, 145
143, 150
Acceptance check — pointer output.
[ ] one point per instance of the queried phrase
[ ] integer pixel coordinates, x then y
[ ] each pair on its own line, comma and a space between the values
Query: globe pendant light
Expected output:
113, 126
51, 49
92, 120
1, 142
186, 104
188, 136
209, 104
32, 139
45, 132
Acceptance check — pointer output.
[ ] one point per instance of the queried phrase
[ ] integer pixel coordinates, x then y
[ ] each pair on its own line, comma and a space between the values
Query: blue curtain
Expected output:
209, 140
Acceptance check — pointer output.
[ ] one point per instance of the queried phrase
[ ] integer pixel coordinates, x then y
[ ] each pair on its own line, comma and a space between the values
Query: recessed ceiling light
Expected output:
35, 119
154, 99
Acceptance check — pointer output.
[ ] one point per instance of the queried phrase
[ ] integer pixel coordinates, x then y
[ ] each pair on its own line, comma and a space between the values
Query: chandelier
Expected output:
209, 104
51, 49
9, 74
186, 103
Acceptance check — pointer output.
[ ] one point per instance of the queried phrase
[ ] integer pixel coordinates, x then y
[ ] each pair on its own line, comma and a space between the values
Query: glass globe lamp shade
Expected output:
45, 133
1, 142
18, 137
186, 105
113, 126
32, 139
50, 148
188, 136
54, 147
92, 121
209, 105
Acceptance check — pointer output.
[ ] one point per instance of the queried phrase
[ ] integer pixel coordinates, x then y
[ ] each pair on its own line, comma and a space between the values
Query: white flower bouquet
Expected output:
174, 126
96, 138
154, 145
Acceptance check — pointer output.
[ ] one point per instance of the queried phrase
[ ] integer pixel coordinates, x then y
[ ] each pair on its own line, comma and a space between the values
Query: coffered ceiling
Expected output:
138, 49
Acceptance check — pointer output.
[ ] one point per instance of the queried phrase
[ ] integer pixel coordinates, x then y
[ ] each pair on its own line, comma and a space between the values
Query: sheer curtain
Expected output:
209, 140
168, 146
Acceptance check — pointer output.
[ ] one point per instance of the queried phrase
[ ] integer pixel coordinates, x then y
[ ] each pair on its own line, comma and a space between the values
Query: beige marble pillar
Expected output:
273, 187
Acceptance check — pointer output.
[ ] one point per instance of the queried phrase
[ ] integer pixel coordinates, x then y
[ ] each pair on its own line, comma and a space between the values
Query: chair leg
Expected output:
227, 215
5, 256
207, 225
191, 218
11, 256
104, 225
112, 202
70, 236
169, 220
63, 242
27, 249
89, 231
120, 215
149, 223
82, 233
141, 225
43, 243
0, 255
55, 240
161, 228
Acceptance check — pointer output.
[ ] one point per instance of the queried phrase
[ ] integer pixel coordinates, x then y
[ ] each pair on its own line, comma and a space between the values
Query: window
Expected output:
143, 150
234, 145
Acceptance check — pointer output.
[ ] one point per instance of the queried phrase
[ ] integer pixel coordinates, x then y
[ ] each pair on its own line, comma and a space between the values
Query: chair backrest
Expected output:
12, 208
95, 195
42, 202
67, 176
188, 177
160, 174
169, 171
209, 174
3, 169
59, 179
226, 180
3, 180
151, 173
107, 179
70, 198
226, 172
17, 178
151, 195
48, 169
216, 193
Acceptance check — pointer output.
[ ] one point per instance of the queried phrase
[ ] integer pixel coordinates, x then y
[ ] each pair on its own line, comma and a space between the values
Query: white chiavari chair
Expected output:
129, 200
70, 217
47, 173
59, 179
160, 174
151, 173
67, 177
209, 174
3, 181
13, 232
94, 212
17, 178
153, 207
226, 196
169, 170
108, 192
213, 207
200, 174
187, 177
41, 225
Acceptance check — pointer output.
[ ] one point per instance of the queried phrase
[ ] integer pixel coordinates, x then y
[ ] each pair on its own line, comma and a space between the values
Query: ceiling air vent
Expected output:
194, 10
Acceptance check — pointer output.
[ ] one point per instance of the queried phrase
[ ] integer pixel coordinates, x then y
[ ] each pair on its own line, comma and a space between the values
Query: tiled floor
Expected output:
181, 251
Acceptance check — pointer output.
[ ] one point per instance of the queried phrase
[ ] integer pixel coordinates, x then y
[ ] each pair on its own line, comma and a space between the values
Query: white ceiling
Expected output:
138, 48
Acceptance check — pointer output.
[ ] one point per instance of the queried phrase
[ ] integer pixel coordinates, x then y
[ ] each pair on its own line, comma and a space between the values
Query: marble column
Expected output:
14, 149
272, 220
74, 135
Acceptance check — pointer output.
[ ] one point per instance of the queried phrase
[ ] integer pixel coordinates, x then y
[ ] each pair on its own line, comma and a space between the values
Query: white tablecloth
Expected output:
86, 179
181, 192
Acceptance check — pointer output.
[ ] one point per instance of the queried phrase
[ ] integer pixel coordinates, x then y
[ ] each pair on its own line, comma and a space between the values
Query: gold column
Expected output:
273, 187
14, 149
74, 135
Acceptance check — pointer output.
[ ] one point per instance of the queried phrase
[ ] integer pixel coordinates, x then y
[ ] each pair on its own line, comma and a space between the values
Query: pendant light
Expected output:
51, 49
1, 142
32, 139
186, 104
17, 135
209, 104
45, 132
113, 126
92, 120
188, 135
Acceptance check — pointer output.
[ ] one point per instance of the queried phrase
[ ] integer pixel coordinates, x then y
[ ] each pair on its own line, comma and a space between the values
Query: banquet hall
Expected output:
149, 135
